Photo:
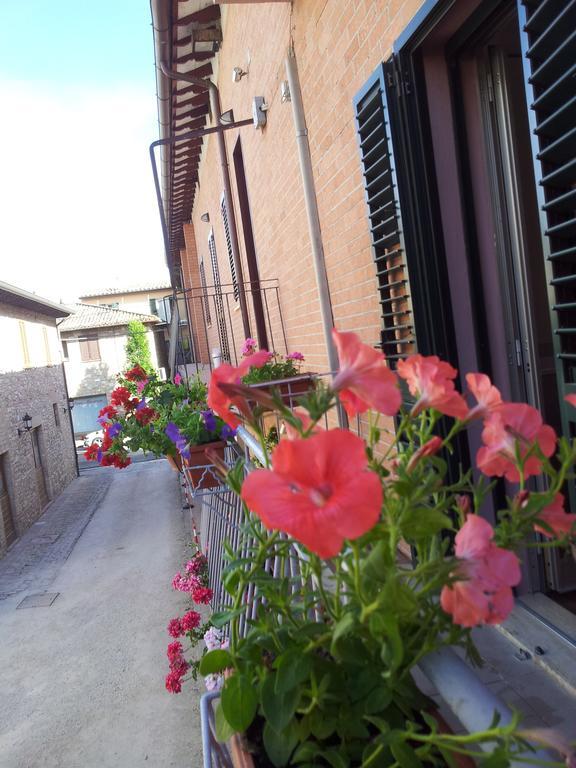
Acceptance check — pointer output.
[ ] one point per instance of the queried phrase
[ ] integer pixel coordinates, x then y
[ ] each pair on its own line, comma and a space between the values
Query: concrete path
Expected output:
82, 680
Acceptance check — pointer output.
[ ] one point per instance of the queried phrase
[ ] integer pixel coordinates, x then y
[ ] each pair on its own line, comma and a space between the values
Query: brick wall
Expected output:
34, 391
338, 45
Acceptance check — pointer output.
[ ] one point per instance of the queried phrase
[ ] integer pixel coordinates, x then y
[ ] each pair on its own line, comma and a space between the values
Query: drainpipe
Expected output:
313, 217
214, 96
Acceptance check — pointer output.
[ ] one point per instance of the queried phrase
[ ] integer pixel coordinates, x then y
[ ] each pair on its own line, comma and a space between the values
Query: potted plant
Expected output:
321, 673
165, 418
281, 373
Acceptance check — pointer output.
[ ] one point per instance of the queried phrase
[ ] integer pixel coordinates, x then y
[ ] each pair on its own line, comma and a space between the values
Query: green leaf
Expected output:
321, 725
422, 522
498, 759
280, 745
392, 652
221, 618
239, 701
378, 700
293, 668
405, 755
215, 661
278, 708
223, 728
343, 627
377, 564
334, 758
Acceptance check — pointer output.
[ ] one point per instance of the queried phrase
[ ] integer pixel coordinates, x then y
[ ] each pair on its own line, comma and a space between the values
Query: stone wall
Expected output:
41, 393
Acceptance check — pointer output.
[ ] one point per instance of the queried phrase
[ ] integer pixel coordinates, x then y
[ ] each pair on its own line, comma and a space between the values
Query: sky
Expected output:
78, 210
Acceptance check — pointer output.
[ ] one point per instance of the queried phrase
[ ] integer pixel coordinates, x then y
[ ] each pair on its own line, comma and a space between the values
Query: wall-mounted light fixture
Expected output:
70, 406
27, 421
205, 218
237, 74
227, 117
259, 109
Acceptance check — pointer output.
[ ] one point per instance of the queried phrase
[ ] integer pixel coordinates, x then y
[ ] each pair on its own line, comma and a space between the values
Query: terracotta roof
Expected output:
159, 285
91, 316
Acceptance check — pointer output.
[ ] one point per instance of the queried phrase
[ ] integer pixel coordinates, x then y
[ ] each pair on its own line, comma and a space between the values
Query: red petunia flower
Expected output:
222, 403
488, 572
364, 380
488, 397
431, 381
514, 424
555, 516
145, 415
319, 491
91, 453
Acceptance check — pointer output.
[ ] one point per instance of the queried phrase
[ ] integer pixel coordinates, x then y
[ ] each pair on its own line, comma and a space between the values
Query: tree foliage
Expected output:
137, 348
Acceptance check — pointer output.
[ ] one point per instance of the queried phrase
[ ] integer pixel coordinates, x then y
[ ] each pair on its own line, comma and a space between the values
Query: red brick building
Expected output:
441, 216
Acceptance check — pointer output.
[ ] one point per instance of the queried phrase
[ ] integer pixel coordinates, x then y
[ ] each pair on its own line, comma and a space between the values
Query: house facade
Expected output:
93, 340
411, 178
37, 455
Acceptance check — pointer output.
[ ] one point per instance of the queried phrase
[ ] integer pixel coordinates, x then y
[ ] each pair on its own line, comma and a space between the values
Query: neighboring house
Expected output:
37, 455
93, 342
441, 143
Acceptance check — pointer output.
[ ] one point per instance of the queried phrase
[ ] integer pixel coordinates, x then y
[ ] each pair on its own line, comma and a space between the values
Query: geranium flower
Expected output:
201, 595
91, 453
488, 397
364, 380
190, 621
488, 573
512, 424
136, 374
108, 411
249, 347
555, 516
298, 356
222, 403
173, 682
175, 628
145, 415
120, 396
430, 380
318, 491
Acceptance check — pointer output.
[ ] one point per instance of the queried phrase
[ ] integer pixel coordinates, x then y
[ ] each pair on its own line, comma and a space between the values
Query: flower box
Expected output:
199, 468
290, 389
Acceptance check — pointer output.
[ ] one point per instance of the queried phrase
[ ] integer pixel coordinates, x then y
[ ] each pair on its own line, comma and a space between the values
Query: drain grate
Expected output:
41, 600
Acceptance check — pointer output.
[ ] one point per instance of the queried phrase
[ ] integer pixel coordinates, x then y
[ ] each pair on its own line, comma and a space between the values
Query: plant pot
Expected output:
174, 461
199, 468
290, 389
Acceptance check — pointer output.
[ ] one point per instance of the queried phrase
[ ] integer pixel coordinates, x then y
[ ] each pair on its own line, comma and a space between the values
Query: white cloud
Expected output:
77, 201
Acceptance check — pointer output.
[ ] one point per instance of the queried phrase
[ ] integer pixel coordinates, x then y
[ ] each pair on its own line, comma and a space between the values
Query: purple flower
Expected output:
141, 404
178, 439
99, 455
115, 430
102, 420
227, 432
209, 421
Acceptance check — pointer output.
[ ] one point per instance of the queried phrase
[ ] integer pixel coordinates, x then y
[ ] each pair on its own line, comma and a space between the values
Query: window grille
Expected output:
207, 315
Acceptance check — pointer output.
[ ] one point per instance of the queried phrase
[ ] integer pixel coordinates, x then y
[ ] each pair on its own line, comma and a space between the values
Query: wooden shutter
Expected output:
549, 44
207, 315
219, 300
229, 248
397, 337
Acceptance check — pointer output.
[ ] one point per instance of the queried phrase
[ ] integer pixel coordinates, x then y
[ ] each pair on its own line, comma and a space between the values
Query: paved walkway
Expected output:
82, 680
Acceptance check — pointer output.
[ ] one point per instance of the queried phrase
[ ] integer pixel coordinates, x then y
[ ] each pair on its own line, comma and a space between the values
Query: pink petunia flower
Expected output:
177, 379
364, 380
514, 424
554, 515
221, 403
431, 381
319, 491
298, 356
249, 347
488, 573
571, 399
488, 397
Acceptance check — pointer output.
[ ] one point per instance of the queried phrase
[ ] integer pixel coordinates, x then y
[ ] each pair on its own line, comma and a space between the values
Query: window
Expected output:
89, 350
207, 315
24, 343
153, 307
65, 350
35, 437
56, 414
229, 248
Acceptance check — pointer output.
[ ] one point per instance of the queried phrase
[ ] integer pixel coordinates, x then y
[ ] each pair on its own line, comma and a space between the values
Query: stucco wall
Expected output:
130, 302
99, 377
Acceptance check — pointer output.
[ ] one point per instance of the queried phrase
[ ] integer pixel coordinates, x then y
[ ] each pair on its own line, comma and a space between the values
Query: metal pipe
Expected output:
214, 97
313, 216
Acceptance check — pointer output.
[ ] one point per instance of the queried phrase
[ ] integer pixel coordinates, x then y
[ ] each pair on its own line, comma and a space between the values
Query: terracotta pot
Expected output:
290, 389
174, 461
240, 758
198, 461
